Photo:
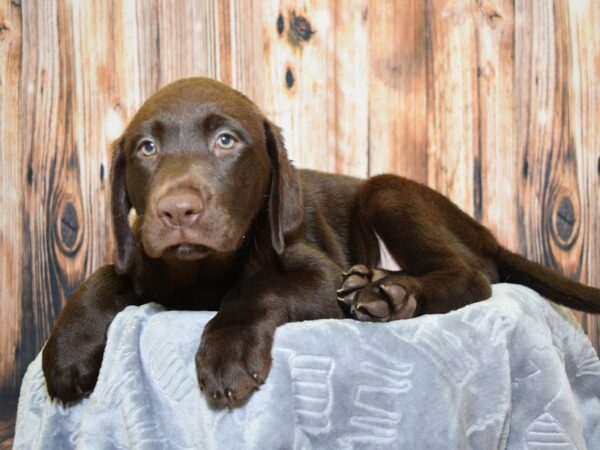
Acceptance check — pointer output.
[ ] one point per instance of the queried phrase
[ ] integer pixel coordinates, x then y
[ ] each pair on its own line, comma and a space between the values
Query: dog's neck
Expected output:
185, 284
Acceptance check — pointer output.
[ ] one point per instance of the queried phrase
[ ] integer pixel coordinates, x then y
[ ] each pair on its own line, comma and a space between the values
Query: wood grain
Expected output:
8, 414
492, 102
297, 66
52, 172
452, 133
584, 105
348, 123
7, 433
552, 201
11, 183
399, 99
496, 163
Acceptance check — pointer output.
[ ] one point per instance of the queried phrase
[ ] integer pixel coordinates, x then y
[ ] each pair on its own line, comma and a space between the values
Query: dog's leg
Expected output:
72, 356
380, 295
234, 357
447, 257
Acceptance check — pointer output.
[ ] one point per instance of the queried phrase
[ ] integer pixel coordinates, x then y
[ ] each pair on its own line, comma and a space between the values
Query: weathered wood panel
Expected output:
51, 201
556, 191
495, 168
298, 67
452, 89
11, 183
398, 95
348, 122
493, 102
583, 97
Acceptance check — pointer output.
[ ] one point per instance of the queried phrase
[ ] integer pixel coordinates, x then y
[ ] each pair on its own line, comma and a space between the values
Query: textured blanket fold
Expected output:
509, 372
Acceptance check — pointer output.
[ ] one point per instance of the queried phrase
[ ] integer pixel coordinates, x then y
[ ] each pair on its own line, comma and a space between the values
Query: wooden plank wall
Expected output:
493, 102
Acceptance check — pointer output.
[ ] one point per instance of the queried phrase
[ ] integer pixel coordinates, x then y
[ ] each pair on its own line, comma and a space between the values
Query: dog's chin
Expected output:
186, 252
188, 245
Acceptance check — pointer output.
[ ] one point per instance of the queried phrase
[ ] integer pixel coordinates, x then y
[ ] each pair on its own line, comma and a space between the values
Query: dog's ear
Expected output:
285, 200
120, 210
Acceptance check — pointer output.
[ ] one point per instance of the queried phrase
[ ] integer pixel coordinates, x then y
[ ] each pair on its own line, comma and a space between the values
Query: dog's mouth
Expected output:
203, 239
186, 251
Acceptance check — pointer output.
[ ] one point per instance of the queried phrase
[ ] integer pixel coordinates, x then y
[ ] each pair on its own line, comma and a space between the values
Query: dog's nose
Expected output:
180, 210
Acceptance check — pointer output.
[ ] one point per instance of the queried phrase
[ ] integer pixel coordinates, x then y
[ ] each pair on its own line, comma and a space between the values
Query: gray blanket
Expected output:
509, 372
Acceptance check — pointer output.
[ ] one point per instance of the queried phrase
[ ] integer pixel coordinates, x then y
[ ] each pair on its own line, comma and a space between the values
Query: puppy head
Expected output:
198, 162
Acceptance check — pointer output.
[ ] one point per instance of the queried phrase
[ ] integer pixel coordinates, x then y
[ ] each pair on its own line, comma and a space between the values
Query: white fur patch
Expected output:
386, 260
131, 217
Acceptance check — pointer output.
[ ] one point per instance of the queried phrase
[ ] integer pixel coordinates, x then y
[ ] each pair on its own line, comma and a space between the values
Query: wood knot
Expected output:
68, 229
280, 24
289, 78
565, 218
69, 225
564, 221
29, 175
491, 12
487, 71
4, 29
300, 29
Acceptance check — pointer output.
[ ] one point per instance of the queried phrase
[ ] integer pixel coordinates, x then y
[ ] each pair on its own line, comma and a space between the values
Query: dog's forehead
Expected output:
192, 98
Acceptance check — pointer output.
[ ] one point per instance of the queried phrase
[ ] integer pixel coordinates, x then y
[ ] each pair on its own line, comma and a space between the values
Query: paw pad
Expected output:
376, 294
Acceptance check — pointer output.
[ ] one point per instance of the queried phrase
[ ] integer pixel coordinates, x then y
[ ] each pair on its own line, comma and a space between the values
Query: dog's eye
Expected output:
226, 141
148, 148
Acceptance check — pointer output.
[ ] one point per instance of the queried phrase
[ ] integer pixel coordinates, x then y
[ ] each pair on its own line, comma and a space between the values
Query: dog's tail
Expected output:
513, 268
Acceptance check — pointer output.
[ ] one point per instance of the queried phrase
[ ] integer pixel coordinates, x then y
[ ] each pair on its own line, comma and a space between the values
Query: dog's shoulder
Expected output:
323, 182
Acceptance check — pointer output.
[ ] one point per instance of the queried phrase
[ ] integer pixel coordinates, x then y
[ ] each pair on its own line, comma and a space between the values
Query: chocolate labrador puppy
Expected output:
224, 222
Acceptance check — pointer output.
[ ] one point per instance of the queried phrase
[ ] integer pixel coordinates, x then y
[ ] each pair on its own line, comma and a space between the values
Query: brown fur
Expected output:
241, 231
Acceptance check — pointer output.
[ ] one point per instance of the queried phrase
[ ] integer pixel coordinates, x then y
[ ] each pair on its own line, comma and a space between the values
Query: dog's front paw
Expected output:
71, 366
378, 295
233, 360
